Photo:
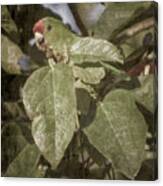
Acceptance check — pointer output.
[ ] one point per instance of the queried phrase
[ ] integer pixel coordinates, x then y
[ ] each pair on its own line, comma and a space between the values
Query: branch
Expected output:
136, 28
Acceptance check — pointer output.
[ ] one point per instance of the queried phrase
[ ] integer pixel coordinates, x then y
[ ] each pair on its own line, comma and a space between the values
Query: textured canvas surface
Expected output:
79, 91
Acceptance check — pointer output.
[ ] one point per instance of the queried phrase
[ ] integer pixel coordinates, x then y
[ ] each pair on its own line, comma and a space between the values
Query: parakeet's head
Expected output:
41, 30
51, 31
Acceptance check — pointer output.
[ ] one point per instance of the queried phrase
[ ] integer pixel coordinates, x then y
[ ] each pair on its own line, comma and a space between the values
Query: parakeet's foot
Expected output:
51, 63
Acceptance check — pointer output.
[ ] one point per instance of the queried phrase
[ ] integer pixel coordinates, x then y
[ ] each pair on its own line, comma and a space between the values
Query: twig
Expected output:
89, 163
136, 28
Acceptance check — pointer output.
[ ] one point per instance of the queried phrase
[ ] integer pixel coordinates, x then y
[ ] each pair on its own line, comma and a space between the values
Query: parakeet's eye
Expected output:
49, 27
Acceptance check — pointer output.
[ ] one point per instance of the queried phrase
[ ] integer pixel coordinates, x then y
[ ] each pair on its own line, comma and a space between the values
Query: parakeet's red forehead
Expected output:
39, 27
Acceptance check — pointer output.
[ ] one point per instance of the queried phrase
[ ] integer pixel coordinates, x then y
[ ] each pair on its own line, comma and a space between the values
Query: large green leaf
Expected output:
26, 163
90, 75
94, 50
145, 95
49, 98
13, 142
19, 158
119, 132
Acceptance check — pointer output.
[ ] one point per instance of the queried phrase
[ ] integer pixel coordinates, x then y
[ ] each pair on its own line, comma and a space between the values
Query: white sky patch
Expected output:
96, 13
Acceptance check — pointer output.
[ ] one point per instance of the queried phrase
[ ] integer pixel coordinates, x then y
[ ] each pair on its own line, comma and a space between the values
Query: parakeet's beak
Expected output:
40, 41
38, 30
39, 38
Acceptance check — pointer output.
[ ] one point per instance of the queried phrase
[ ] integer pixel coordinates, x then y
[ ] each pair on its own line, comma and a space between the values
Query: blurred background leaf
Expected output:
115, 16
26, 163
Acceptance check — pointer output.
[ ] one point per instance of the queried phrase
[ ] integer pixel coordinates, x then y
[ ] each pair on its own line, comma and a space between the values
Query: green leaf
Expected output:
13, 142
49, 98
13, 109
8, 24
11, 54
25, 164
145, 95
115, 71
94, 50
88, 88
19, 158
83, 101
90, 75
119, 132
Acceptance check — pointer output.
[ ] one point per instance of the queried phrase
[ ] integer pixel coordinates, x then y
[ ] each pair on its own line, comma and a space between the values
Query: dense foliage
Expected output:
93, 116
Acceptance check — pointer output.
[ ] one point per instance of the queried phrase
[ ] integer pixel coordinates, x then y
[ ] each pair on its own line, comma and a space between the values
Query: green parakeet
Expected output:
59, 43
